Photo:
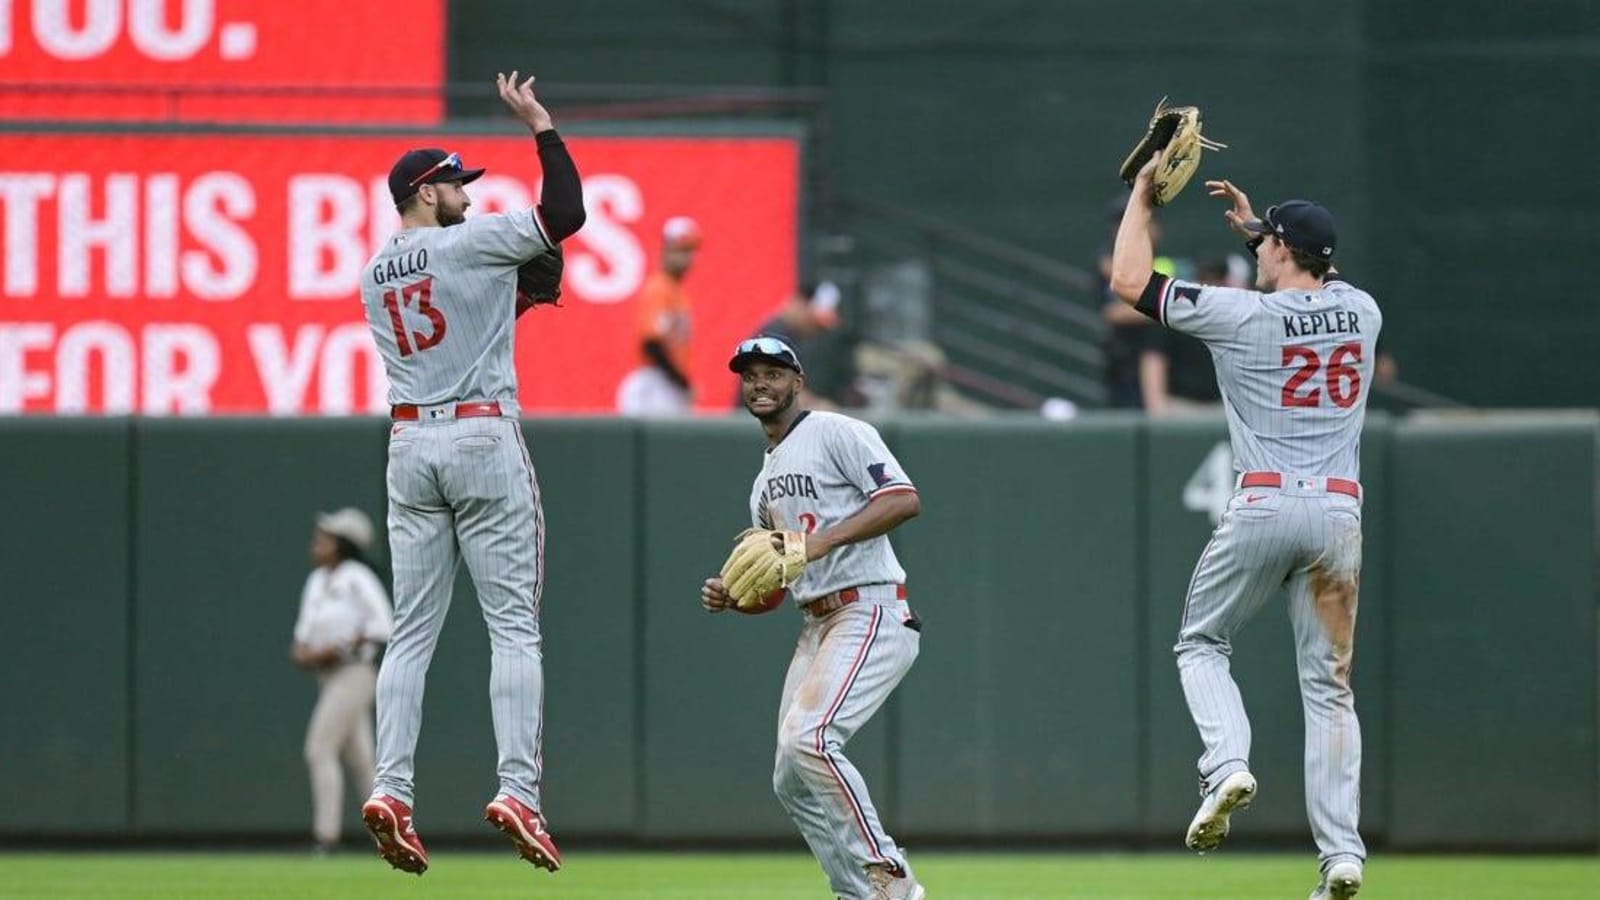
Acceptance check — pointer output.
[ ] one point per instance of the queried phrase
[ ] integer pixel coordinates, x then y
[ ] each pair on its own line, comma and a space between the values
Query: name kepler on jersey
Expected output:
1310, 324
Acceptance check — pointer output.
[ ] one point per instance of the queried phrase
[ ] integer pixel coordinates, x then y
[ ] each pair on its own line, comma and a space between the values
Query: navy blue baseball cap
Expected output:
1301, 224
429, 165
767, 348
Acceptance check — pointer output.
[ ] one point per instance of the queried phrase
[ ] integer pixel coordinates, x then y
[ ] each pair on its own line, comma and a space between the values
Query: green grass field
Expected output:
700, 876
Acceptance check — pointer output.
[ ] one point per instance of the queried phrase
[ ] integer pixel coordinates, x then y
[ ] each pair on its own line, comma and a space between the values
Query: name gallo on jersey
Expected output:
397, 267
1331, 322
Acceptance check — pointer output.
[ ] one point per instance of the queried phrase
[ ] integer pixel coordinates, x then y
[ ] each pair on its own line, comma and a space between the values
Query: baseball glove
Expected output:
762, 562
1174, 133
539, 280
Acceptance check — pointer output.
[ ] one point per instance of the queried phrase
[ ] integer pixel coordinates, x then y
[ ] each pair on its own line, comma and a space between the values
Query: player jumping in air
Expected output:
1293, 361
441, 297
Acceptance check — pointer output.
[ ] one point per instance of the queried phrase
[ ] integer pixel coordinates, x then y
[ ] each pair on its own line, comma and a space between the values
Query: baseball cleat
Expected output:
389, 820
1341, 883
525, 827
886, 885
1210, 824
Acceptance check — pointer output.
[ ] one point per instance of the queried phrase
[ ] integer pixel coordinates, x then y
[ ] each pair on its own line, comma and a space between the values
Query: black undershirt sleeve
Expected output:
1150, 301
561, 199
657, 352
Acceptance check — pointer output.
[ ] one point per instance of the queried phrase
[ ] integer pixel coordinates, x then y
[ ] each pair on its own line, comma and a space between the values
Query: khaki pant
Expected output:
341, 725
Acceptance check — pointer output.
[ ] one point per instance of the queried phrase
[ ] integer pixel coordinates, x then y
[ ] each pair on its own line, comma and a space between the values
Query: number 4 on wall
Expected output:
1210, 488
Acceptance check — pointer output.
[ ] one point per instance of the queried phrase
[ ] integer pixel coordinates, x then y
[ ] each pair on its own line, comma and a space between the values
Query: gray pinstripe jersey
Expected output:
441, 303
825, 470
1294, 367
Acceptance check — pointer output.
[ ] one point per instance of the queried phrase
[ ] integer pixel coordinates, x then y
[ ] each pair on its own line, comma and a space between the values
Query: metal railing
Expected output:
1016, 327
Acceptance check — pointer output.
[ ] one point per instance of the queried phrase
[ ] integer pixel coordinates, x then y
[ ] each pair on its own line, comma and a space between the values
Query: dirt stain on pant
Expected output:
1334, 599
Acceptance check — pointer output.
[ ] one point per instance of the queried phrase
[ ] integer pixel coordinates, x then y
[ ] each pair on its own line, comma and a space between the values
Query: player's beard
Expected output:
781, 403
450, 215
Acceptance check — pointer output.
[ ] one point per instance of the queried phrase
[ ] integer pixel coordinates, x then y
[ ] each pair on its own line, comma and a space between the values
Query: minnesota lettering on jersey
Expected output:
789, 485
1332, 322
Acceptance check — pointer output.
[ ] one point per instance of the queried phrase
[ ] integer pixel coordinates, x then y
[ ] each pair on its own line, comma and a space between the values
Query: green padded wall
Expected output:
64, 544
1494, 664
1049, 566
1021, 716
224, 513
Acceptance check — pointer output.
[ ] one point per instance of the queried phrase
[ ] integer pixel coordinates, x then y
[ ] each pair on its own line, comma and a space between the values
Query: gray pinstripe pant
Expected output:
845, 666
464, 489
1310, 541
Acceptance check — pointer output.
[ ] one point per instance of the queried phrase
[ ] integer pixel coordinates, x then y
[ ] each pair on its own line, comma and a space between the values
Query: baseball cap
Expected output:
764, 347
348, 523
429, 165
681, 232
1301, 224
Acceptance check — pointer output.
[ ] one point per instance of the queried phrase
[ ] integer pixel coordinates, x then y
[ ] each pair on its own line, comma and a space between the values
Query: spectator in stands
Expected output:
807, 322
344, 619
1176, 374
660, 385
1129, 334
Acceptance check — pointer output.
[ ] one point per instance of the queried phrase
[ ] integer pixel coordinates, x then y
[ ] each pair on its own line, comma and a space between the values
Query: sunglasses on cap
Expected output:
769, 347
453, 161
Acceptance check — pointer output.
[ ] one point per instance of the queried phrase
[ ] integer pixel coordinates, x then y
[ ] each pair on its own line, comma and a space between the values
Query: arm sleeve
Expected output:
656, 350
864, 459
561, 199
1212, 314
378, 622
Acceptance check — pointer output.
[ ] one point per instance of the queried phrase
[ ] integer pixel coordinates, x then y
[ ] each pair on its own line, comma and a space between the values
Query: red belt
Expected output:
837, 600
1275, 480
409, 412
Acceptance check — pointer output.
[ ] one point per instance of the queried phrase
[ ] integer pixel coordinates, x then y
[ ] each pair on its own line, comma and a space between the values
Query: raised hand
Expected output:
522, 101
1240, 212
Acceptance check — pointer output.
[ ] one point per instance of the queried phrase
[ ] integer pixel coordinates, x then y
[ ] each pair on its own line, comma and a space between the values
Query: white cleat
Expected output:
1341, 883
1210, 824
888, 886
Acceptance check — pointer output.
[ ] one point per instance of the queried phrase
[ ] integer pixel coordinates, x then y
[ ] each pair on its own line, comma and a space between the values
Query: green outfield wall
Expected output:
152, 571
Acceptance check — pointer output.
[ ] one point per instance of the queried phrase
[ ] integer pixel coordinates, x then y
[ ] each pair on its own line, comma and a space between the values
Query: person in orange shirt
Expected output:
660, 386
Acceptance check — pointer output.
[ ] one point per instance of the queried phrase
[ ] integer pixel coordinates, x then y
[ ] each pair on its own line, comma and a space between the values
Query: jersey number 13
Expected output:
420, 294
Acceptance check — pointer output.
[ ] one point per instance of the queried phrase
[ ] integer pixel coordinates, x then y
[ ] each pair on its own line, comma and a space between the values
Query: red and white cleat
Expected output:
525, 827
389, 820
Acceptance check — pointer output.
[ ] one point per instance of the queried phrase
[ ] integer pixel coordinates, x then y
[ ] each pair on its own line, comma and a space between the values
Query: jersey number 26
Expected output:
420, 293
1344, 380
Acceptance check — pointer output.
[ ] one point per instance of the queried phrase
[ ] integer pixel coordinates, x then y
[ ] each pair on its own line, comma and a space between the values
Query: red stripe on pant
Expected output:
822, 730
538, 581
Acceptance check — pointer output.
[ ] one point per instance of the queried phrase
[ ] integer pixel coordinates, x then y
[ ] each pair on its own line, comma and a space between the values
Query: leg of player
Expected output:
323, 736
422, 547
360, 754
1322, 608
1240, 569
863, 652
500, 524
793, 791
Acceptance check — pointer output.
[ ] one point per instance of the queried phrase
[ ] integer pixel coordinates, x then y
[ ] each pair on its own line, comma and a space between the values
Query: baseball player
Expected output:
1293, 362
440, 296
344, 618
832, 478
